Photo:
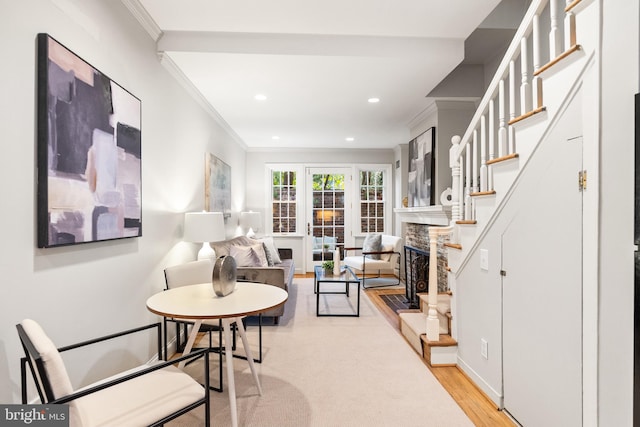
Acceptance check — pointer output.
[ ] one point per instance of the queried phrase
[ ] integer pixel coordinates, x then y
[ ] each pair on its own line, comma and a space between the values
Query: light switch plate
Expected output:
484, 259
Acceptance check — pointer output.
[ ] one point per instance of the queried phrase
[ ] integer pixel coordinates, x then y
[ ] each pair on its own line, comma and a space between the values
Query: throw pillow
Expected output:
271, 249
268, 254
372, 243
261, 254
249, 256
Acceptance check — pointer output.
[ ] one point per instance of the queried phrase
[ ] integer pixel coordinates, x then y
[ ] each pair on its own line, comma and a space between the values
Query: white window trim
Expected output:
388, 196
300, 169
300, 196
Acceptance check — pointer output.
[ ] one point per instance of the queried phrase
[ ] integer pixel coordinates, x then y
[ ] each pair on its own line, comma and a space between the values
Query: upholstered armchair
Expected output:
379, 252
150, 394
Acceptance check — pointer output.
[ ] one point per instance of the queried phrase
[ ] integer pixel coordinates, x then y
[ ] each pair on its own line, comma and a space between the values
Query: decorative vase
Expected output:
336, 262
224, 274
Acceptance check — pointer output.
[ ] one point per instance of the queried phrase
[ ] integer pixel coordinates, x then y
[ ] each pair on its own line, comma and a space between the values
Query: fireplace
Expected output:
416, 274
417, 236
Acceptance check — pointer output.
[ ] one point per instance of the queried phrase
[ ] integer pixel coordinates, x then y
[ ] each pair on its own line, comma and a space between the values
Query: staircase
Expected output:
539, 75
438, 353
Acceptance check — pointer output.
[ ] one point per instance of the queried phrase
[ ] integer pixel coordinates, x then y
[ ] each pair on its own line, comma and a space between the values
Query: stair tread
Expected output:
417, 322
445, 341
503, 159
444, 303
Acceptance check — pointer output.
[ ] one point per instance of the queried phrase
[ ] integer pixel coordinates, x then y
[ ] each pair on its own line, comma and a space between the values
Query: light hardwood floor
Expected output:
473, 402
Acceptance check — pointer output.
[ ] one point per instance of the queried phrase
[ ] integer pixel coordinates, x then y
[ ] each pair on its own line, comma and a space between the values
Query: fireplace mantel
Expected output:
431, 215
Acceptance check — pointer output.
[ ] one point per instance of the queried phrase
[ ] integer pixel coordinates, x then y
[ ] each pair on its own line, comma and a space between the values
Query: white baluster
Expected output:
492, 138
512, 105
454, 164
555, 38
569, 29
502, 130
525, 92
537, 81
433, 324
461, 186
492, 144
483, 154
474, 163
467, 192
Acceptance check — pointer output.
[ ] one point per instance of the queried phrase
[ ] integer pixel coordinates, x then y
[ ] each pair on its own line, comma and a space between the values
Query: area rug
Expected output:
396, 301
332, 371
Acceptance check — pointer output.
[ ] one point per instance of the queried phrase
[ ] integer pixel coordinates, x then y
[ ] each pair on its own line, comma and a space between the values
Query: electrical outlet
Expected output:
484, 348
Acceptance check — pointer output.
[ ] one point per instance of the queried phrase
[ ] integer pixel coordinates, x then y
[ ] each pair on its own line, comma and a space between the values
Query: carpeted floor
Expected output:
332, 371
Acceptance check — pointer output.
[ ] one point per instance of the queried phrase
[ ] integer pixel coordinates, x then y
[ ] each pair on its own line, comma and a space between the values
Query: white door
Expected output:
328, 213
542, 295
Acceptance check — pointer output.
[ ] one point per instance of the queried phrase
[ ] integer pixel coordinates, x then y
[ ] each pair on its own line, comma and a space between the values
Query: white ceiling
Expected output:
316, 61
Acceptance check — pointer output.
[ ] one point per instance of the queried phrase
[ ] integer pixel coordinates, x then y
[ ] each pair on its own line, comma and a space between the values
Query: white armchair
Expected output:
374, 257
146, 395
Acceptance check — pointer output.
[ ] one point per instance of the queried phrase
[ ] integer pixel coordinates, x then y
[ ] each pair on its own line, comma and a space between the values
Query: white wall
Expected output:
619, 85
449, 118
84, 291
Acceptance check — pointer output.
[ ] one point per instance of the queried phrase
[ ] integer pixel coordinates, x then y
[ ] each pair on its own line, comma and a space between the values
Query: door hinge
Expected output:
582, 180
503, 273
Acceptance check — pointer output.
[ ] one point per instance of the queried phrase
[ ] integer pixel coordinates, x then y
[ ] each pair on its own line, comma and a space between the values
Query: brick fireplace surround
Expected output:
417, 236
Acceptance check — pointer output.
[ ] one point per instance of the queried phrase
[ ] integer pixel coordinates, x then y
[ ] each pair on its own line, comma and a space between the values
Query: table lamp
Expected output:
204, 227
250, 221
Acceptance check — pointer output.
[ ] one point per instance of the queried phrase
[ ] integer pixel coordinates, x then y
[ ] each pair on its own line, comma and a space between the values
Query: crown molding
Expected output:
177, 73
143, 17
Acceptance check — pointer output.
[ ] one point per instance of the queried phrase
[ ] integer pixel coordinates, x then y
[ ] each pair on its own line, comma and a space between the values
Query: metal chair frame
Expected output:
35, 364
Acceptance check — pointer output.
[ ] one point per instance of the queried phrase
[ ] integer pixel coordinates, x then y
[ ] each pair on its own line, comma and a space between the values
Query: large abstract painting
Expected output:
421, 169
217, 185
89, 152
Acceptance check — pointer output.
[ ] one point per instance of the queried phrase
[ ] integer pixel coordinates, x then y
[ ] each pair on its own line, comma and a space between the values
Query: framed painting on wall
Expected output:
89, 152
217, 197
421, 186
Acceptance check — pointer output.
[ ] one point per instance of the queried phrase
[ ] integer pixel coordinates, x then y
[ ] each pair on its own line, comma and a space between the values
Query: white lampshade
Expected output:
204, 227
250, 221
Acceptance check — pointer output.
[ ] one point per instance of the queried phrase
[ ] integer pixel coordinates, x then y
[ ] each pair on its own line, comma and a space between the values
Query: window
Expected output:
284, 201
372, 201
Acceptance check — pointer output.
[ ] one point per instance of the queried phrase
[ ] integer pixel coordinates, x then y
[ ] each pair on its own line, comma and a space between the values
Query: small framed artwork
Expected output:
217, 197
422, 169
89, 152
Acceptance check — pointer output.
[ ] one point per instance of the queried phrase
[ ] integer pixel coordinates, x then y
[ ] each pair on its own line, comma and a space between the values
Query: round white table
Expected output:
198, 302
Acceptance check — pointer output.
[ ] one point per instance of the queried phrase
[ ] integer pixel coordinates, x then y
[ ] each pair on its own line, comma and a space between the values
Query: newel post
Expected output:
433, 324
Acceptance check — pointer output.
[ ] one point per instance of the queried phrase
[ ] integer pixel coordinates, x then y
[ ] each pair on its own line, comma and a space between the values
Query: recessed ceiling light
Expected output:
261, 97
373, 100
275, 137
350, 139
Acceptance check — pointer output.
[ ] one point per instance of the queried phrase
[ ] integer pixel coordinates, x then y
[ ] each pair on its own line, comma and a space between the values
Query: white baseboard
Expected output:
495, 396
